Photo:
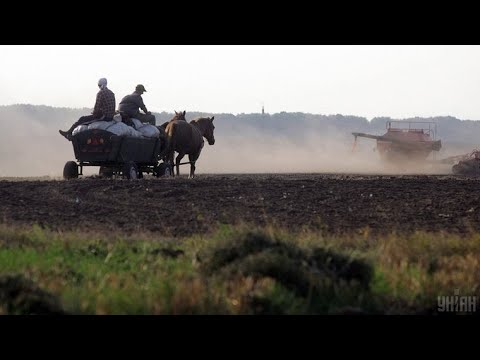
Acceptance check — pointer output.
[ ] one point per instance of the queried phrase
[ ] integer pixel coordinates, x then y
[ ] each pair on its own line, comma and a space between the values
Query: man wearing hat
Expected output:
104, 109
131, 105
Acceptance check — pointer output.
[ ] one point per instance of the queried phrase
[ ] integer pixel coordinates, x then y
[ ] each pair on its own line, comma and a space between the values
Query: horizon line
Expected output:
259, 113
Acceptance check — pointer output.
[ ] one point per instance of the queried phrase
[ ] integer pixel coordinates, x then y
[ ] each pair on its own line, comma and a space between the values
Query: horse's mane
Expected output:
199, 118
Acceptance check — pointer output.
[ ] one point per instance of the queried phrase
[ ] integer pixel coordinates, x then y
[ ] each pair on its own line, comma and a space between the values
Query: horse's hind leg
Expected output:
170, 158
179, 158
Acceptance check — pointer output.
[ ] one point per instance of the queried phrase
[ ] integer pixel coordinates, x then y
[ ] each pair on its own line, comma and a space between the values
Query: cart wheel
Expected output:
130, 170
105, 172
162, 170
70, 170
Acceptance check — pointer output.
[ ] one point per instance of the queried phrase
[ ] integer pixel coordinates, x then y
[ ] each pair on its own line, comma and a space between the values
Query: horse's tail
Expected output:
170, 135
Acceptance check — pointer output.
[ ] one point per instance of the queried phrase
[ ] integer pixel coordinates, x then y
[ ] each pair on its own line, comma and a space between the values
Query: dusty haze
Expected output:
31, 146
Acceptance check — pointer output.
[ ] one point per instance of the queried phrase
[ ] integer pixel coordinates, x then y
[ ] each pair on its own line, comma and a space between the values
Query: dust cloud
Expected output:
33, 148
30, 145
313, 153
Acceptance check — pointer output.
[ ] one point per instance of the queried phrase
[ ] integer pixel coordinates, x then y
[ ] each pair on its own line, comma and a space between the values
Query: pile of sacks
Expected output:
117, 127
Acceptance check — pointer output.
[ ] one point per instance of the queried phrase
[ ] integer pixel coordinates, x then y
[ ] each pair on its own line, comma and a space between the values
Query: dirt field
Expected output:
179, 206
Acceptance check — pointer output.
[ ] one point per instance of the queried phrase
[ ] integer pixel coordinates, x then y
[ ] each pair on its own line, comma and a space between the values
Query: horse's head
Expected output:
206, 126
179, 116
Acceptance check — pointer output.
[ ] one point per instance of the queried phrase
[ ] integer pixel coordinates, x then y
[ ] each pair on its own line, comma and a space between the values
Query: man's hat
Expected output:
140, 88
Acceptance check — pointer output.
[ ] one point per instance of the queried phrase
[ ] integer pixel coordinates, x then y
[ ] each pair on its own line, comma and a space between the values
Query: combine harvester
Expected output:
405, 142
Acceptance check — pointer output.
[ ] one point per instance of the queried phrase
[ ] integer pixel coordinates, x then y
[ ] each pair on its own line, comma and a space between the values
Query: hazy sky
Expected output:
395, 81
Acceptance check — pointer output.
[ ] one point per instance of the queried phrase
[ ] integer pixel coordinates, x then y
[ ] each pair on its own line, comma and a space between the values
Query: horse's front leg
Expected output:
179, 158
193, 159
192, 170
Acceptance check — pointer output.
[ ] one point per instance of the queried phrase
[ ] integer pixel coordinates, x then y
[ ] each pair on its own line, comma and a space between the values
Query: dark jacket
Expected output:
131, 104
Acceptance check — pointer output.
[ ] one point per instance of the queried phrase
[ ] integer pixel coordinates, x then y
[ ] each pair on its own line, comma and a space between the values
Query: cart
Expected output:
125, 156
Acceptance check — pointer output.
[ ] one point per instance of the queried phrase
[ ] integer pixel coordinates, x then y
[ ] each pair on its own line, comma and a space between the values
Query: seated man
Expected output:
131, 105
104, 109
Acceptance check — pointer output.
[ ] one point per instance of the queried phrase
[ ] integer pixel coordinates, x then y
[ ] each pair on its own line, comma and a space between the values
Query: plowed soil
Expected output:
181, 206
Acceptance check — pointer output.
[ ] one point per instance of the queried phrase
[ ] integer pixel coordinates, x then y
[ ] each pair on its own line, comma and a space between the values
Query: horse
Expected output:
163, 135
187, 138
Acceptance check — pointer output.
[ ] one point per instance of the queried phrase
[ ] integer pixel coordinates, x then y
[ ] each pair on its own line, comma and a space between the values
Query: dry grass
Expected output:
237, 270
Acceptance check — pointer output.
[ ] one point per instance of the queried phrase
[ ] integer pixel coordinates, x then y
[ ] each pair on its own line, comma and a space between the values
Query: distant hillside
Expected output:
38, 118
